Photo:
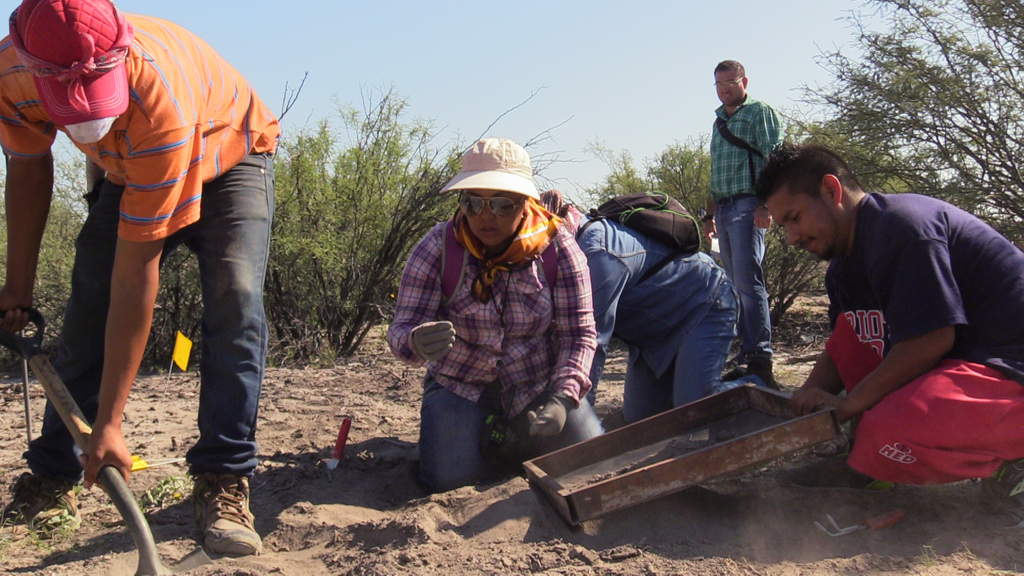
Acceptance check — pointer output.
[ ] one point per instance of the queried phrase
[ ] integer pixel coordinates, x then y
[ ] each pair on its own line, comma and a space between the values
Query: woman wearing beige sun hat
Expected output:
497, 302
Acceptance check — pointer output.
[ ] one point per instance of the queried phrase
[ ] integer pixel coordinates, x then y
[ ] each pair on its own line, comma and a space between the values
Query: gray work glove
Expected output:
432, 340
549, 419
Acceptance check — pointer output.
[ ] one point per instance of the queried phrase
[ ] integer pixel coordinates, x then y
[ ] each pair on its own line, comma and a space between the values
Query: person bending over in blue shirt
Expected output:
678, 322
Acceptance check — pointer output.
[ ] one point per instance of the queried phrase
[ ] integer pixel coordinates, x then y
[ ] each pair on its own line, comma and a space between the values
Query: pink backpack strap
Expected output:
549, 261
453, 263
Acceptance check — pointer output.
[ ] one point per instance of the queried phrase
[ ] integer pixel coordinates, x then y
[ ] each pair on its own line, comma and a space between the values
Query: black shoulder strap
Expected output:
733, 139
738, 142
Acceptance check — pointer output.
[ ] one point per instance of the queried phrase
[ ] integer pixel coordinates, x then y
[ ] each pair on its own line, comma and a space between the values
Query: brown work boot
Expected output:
221, 505
43, 503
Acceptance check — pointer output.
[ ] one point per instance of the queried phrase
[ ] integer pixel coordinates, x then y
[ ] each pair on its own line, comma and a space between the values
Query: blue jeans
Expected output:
450, 429
696, 370
232, 243
742, 247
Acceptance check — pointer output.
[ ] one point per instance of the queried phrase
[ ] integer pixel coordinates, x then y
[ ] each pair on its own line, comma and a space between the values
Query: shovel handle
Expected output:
61, 400
110, 478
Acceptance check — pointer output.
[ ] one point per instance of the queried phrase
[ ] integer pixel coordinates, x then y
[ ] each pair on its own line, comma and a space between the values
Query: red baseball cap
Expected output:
76, 51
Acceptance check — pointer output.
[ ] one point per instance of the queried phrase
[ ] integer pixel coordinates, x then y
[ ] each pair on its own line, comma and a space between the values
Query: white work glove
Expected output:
549, 419
432, 340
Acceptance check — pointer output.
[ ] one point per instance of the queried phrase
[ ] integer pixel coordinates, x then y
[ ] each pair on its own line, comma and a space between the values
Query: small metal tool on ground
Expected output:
830, 527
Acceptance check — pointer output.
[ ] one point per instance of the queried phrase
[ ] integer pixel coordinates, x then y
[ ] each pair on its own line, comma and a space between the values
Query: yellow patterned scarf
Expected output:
535, 232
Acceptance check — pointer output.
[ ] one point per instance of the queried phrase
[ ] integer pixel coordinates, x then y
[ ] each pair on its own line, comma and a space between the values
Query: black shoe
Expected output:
734, 374
735, 367
761, 367
737, 361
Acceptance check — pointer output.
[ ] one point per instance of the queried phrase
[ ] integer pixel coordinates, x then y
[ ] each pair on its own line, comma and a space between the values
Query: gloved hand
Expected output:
549, 419
432, 340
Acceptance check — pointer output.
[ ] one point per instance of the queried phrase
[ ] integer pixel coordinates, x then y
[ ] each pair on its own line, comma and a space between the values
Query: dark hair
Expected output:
801, 168
730, 66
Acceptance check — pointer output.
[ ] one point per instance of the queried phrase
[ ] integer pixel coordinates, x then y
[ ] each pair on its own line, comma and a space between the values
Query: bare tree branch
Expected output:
290, 97
545, 134
505, 113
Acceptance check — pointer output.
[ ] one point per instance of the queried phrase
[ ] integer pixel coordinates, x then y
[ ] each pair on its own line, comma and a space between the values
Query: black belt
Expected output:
733, 198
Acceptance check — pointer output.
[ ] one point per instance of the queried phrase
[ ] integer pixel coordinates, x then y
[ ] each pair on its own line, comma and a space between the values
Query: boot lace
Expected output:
226, 496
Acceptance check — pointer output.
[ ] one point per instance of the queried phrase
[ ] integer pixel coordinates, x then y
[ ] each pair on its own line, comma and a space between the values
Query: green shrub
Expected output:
346, 219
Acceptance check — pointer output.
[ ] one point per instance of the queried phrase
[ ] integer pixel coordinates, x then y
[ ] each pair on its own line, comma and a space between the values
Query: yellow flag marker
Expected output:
182, 349
139, 464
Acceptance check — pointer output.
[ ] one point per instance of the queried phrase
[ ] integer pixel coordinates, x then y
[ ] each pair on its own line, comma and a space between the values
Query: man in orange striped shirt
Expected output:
184, 148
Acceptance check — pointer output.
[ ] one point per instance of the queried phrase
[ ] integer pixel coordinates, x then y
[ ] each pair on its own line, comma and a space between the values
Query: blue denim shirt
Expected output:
653, 315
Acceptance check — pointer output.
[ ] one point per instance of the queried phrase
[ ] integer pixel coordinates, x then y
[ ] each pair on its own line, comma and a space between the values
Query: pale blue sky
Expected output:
633, 75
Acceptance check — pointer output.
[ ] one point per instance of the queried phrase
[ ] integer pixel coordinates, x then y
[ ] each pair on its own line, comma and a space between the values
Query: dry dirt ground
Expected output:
370, 518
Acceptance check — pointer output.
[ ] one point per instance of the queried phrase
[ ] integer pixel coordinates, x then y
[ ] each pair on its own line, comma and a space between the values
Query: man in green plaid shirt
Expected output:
745, 132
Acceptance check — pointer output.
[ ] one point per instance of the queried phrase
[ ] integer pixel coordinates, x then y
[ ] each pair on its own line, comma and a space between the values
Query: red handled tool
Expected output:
873, 523
339, 445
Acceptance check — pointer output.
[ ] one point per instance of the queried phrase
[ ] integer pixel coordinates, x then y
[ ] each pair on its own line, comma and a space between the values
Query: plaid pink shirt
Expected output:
527, 338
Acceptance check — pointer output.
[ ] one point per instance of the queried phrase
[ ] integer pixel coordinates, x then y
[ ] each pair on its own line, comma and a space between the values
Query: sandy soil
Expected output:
370, 518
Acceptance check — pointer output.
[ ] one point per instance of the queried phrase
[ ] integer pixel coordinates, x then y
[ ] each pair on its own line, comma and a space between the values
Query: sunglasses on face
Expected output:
729, 83
498, 205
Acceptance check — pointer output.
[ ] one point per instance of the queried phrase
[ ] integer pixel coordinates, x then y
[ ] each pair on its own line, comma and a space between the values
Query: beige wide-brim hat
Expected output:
495, 164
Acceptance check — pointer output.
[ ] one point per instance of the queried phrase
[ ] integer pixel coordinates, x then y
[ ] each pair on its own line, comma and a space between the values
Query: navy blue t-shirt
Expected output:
919, 264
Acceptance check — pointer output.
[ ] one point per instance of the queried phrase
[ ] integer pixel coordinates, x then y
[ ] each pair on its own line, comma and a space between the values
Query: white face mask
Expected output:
90, 132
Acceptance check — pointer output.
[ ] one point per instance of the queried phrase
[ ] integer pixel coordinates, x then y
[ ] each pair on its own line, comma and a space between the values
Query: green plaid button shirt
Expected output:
754, 122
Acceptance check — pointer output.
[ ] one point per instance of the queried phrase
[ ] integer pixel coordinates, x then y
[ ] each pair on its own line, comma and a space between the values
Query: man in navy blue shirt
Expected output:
927, 312
676, 313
